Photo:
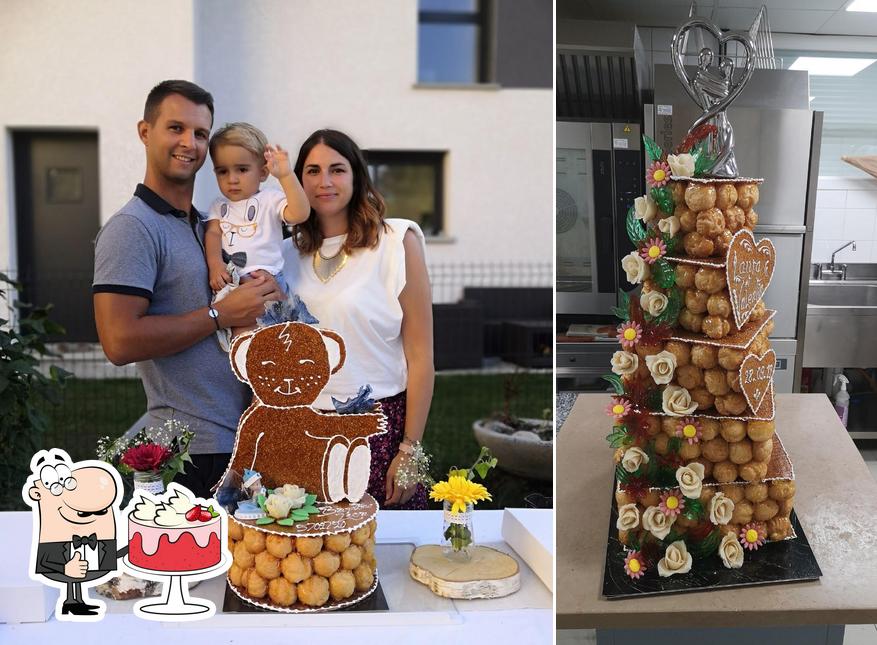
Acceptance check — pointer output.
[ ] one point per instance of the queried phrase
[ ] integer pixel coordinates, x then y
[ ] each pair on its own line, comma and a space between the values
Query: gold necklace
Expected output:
326, 268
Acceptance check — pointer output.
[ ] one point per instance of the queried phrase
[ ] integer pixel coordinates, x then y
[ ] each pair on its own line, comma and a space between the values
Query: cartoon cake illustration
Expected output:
304, 540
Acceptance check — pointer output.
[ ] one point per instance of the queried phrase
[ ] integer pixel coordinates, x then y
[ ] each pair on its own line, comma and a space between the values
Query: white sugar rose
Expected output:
731, 551
278, 506
645, 208
721, 509
634, 458
656, 523
628, 518
681, 165
653, 302
669, 225
295, 494
624, 363
690, 479
635, 267
676, 401
662, 366
676, 559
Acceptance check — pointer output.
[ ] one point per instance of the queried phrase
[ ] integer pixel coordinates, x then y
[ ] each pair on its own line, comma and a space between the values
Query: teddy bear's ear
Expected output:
335, 347
238, 352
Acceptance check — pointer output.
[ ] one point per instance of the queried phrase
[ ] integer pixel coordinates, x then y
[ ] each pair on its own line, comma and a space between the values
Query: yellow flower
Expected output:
459, 491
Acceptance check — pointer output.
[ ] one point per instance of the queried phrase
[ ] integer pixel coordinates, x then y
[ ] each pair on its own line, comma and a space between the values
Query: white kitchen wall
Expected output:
846, 209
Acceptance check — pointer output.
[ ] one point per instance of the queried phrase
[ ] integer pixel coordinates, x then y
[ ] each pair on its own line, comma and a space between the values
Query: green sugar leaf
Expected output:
286, 521
663, 273
265, 520
653, 150
635, 229
615, 381
693, 509
663, 197
310, 499
310, 510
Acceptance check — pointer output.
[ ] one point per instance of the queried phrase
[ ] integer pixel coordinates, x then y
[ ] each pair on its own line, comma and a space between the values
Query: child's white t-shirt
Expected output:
254, 228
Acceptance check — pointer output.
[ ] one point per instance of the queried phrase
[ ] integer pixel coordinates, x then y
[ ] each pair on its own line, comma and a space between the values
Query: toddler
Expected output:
244, 226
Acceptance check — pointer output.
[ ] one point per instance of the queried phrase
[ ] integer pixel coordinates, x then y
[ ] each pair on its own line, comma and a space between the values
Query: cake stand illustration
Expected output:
175, 602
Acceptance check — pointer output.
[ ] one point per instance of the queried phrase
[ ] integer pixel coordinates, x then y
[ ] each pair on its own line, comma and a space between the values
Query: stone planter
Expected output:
521, 452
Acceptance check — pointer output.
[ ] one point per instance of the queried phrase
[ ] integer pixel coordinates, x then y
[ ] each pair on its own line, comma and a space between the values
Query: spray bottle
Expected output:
842, 399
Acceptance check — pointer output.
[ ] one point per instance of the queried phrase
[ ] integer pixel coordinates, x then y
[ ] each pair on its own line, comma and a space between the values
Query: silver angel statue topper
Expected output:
717, 81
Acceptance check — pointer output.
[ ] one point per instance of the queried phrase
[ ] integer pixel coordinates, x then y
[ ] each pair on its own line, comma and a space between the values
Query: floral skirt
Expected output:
384, 447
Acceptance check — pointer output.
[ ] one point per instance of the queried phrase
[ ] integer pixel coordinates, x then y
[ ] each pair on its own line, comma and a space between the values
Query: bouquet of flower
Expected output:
163, 450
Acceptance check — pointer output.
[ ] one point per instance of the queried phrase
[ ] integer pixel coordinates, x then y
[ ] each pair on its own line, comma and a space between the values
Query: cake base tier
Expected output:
301, 608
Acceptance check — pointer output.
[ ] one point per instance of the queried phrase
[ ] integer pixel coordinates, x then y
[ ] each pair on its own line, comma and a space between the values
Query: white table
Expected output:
415, 616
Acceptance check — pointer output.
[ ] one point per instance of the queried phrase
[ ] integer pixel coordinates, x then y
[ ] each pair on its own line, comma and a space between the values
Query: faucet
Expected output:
834, 271
838, 250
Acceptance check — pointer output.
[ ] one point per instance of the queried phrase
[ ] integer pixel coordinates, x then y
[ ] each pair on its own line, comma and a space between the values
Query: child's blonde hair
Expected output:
244, 135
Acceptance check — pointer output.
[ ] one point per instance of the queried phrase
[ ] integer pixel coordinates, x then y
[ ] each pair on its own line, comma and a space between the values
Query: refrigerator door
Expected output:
782, 294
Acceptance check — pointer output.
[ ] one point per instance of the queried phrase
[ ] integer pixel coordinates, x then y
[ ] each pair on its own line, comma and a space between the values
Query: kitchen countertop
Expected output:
836, 502
562, 407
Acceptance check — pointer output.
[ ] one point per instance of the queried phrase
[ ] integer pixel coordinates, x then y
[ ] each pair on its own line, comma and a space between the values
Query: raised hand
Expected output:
76, 567
278, 161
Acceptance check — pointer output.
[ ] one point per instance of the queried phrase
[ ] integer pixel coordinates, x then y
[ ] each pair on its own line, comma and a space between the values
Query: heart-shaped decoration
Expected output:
756, 377
733, 87
749, 268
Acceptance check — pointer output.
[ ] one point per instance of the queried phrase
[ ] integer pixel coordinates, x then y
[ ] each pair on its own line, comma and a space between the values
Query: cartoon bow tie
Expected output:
239, 259
79, 540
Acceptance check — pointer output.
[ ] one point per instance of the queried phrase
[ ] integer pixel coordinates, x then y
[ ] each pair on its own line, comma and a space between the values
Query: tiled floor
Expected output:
853, 634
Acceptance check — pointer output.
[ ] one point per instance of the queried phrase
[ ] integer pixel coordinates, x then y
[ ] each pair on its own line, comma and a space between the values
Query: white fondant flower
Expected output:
655, 522
634, 458
676, 559
635, 268
645, 208
278, 506
628, 518
624, 363
669, 225
681, 165
731, 551
690, 479
167, 516
661, 366
721, 509
295, 494
653, 302
676, 401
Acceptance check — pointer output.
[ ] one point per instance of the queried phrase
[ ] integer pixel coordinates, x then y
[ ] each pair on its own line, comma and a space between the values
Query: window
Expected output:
849, 125
451, 41
411, 184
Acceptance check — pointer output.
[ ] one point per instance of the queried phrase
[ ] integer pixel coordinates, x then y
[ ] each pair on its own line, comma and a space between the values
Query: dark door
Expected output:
57, 218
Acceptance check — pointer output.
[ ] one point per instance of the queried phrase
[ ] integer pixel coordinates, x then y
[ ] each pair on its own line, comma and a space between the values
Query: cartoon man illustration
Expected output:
75, 509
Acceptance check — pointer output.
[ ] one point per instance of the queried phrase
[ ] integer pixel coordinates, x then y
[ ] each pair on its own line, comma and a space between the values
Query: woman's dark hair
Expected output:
366, 209
196, 94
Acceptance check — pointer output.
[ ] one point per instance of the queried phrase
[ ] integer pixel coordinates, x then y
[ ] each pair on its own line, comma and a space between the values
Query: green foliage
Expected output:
706, 547
636, 231
663, 273
672, 243
654, 401
615, 381
702, 159
622, 475
693, 509
24, 389
653, 150
619, 437
663, 197
622, 311
674, 445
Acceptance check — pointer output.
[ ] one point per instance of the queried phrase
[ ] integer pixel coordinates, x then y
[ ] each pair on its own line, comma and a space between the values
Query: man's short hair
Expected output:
242, 135
197, 95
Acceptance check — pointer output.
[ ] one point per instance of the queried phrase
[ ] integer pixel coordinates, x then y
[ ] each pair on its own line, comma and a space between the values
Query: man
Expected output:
152, 294
76, 508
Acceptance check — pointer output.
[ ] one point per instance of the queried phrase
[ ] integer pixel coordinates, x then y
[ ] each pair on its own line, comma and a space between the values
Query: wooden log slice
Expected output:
489, 574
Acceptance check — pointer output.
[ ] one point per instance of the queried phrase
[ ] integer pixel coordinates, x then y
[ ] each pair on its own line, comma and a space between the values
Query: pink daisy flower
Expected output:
658, 174
618, 408
672, 503
653, 250
689, 429
634, 565
752, 536
629, 334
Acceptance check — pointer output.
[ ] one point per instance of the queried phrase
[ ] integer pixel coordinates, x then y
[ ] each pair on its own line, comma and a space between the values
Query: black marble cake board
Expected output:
775, 562
375, 601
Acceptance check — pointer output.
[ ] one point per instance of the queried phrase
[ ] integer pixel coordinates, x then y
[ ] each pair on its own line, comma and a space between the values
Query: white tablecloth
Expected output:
416, 615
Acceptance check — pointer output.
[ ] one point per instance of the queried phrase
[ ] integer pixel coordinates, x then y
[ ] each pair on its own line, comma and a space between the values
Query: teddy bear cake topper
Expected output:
716, 83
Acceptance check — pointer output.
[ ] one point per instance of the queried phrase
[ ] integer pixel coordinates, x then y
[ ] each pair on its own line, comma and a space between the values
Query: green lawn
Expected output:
94, 408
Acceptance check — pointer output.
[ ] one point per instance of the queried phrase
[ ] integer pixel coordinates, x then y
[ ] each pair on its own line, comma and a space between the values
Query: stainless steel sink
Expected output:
842, 321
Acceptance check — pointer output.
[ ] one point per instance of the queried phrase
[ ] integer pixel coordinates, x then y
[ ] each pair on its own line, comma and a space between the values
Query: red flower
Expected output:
145, 457
636, 486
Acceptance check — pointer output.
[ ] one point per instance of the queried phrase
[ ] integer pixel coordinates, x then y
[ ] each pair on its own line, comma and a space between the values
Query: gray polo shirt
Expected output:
150, 249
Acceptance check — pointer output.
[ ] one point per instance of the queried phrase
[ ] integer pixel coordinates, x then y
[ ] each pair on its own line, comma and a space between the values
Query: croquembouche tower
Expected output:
700, 469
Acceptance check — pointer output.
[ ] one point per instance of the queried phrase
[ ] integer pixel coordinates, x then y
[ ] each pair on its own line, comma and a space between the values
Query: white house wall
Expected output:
290, 68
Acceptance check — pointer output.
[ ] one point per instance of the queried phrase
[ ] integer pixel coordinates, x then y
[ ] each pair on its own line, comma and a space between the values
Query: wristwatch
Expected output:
215, 316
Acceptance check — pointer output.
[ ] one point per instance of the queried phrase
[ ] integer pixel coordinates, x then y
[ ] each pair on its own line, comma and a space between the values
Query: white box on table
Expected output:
22, 600
530, 532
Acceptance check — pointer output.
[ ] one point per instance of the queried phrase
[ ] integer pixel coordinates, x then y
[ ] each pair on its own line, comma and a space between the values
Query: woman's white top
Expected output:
361, 303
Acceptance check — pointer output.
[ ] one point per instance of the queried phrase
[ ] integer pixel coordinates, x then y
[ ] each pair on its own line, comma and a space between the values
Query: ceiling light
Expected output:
862, 5
831, 66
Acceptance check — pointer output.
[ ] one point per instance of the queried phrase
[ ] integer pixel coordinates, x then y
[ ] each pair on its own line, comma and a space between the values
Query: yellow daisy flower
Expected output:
460, 492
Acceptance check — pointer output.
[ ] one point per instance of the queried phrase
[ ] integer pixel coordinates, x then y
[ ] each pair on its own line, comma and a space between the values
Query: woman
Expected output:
365, 277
